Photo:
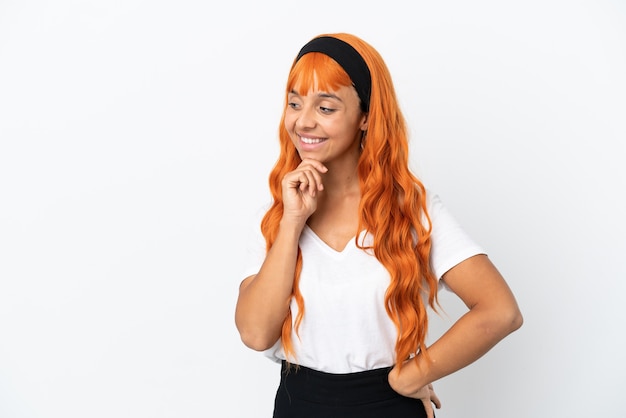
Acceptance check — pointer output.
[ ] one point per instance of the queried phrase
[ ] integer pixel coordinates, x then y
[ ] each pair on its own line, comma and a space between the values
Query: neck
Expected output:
341, 181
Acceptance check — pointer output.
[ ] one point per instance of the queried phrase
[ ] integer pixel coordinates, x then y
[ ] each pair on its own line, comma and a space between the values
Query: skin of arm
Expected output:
493, 314
264, 298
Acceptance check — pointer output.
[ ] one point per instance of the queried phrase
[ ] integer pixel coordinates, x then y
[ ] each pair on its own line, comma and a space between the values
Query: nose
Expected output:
306, 118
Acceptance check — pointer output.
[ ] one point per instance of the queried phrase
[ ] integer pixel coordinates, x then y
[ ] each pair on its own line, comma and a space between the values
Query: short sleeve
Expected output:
450, 243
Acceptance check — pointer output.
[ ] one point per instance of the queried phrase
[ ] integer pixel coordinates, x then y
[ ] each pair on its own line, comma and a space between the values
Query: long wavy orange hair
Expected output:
393, 200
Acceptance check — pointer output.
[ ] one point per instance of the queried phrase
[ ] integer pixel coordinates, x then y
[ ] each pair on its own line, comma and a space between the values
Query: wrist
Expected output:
406, 381
292, 223
291, 226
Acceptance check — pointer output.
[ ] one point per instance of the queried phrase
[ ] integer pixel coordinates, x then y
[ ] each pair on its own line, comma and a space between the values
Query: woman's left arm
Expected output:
493, 314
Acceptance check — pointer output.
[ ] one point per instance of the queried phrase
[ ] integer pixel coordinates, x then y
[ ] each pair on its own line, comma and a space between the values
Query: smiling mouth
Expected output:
311, 140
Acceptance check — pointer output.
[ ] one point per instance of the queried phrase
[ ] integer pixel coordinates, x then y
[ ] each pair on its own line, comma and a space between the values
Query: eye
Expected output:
326, 110
293, 105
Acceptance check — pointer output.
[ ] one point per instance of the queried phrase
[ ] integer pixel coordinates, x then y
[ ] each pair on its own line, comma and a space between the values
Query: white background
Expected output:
136, 139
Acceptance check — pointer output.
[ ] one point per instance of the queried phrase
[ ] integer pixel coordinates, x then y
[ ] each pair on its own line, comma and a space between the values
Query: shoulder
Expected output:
450, 243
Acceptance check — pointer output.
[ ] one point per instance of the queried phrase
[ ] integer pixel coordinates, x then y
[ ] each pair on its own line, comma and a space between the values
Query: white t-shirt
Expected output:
345, 327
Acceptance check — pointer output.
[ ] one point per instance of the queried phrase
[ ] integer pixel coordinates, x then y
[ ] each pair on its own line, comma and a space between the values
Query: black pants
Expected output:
307, 393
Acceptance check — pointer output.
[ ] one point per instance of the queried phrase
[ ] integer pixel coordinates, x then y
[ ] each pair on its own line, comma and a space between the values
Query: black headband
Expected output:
349, 59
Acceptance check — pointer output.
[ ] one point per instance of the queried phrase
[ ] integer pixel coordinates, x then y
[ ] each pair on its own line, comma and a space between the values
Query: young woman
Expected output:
353, 249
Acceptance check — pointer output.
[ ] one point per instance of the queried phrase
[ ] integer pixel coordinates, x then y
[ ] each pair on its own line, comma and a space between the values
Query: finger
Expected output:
435, 399
315, 164
294, 180
302, 182
313, 173
430, 412
433, 396
314, 180
311, 182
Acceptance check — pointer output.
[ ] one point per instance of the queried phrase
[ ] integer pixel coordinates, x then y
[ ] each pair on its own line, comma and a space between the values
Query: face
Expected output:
326, 125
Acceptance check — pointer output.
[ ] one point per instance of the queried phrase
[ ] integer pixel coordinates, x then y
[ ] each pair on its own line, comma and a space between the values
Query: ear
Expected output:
364, 121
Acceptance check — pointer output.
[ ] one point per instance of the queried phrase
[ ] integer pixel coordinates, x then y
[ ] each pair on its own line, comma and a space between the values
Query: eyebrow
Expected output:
322, 95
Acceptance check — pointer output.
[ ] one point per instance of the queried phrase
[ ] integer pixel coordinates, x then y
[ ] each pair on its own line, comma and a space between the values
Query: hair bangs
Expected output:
317, 71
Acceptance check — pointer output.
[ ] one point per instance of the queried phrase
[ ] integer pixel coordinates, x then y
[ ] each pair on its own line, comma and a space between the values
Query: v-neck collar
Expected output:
327, 248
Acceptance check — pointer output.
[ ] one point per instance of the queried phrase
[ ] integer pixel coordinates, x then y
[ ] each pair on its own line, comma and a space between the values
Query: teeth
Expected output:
311, 140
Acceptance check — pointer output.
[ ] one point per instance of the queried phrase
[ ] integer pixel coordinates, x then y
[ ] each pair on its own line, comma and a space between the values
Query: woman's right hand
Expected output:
301, 189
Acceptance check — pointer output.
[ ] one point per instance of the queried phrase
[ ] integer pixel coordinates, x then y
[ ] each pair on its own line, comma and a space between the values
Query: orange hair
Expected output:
393, 200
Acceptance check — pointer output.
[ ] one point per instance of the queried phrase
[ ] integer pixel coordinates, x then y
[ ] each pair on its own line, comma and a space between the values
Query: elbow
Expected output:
510, 320
500, 322
256, 334
257, 341
517, 320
